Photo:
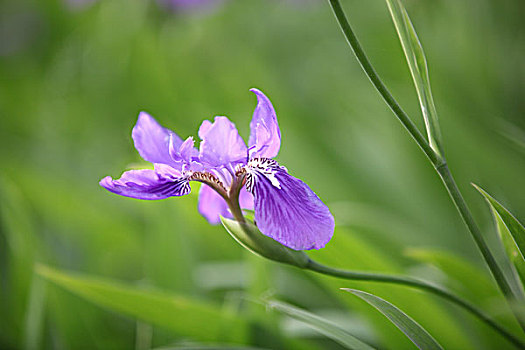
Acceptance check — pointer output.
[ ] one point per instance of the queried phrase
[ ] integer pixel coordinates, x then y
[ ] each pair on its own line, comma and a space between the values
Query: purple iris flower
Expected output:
234, 176
189, 5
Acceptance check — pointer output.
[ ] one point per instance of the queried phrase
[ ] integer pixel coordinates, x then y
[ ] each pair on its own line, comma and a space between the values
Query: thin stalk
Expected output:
418, 284
462, 207
379, 85
233, 199
437, 161
236, 211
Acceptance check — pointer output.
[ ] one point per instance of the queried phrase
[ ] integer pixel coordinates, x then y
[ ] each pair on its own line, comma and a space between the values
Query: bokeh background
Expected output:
74, 75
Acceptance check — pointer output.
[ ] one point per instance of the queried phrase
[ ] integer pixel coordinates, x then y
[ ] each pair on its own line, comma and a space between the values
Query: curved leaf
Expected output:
210, 347
417, 64
511, 233
349, 251
323, 326
181, 315
477, 286
417, 334
249, 236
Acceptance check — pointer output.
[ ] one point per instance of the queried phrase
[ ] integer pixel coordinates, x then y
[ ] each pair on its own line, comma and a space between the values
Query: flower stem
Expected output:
461, 206
415, 283
232, 199
437, 160
378, 83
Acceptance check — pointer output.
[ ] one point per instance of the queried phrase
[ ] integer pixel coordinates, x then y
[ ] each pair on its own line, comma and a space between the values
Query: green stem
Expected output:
379, 85
436, 160
415, 283
461, 206
232, 199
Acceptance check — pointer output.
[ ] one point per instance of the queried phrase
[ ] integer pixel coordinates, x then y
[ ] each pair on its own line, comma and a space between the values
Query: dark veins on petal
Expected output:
292, 214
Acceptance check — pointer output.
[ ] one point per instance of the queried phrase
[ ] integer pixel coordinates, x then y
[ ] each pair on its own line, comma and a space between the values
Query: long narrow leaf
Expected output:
511, 233
350, 251
417, 64
321, 325
181, 315
478, 286
417, 334
210, 347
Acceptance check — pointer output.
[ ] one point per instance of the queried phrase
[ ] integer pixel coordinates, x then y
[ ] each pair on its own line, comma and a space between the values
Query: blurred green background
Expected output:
72, 82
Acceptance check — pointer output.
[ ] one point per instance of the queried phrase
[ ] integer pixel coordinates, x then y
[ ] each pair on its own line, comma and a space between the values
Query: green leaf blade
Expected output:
178, 314
417, 334
478, 287
322, 325
417, 64
510, 231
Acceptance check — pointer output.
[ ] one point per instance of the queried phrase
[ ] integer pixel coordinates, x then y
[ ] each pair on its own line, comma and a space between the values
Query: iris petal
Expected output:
287, 210
163, 182
212, 206
184, 151
265, 136
246, 199
221, 144
203, 129
152, 140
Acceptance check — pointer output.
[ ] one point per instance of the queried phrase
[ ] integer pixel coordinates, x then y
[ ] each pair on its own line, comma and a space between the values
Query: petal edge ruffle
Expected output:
221, 143
152, 140
265, 135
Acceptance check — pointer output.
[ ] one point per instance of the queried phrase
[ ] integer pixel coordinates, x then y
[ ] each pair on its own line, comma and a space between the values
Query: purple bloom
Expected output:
232, 176
189, 5
170, 5
78, 4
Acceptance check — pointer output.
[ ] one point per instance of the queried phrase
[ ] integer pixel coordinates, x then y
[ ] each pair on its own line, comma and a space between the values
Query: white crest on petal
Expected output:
258, 167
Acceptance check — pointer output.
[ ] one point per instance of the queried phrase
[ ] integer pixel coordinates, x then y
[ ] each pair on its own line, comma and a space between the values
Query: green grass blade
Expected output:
478, 286
35, 314
417, 334
211, 347
417, 64
181, 315
322, 325
349, 251
511, 233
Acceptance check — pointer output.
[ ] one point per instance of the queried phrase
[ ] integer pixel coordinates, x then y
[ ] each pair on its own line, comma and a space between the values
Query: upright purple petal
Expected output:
163, 182
265, 136
204, 128
287, 210
221, 143
152, 140
182, 152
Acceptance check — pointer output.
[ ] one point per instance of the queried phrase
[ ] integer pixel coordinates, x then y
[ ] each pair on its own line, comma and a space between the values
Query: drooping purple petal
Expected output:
152, 140
246, 199
265, 136
221, 144
76, 5
163, 182
189, 5
287, 210
212, 206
